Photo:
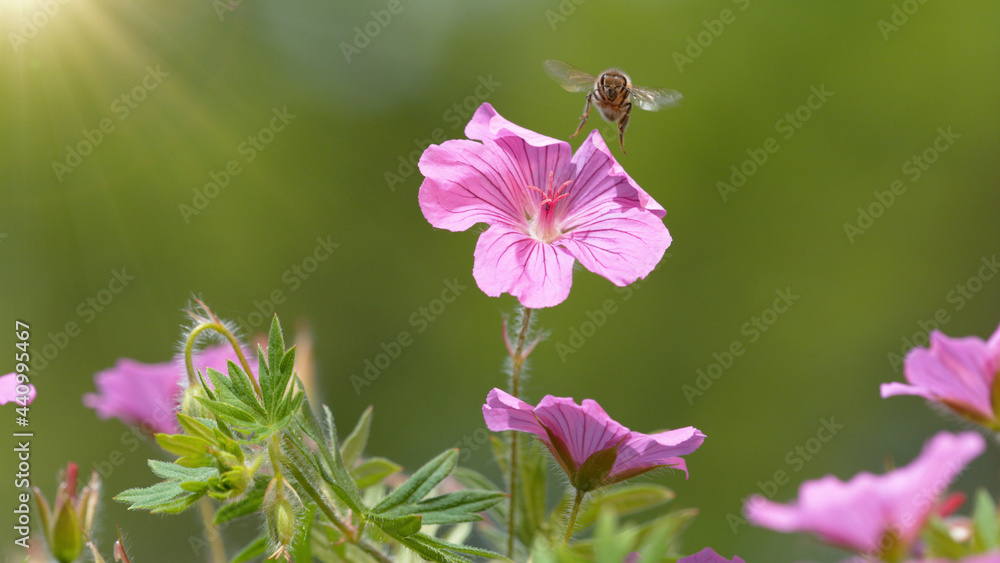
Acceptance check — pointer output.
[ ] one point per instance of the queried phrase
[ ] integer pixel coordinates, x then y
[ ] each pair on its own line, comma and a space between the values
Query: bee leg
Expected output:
622, 124
583, 118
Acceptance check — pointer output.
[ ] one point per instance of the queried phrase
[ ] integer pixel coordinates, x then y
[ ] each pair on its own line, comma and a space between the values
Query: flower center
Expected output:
543, 227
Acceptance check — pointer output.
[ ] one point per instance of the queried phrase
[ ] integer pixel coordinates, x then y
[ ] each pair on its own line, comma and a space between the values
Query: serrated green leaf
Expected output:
623, 501
253, 549
229, 413
275, 345
184, 446
425, 479
422, 544
985, 521
354, 445
310, 426
405, 525
174, 472
373, 471
243, 388
223, 385
196, 428
340, 473
461, 548
166, 496
451, 508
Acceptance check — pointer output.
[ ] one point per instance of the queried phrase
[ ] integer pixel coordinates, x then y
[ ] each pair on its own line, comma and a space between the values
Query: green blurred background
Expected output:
364, 101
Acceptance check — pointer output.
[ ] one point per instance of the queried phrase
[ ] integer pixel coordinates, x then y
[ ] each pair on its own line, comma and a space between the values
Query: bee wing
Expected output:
570, 77
653, 99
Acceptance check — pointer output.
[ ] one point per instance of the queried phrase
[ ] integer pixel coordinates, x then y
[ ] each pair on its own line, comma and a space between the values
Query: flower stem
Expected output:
517, 357
219, 327
211, 532
572, 516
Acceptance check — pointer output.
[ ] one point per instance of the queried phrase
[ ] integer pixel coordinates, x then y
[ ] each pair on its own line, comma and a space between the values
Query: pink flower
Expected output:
708, 555
593, 449
8, 390
873, 514
545, 208
147, 395
958, 372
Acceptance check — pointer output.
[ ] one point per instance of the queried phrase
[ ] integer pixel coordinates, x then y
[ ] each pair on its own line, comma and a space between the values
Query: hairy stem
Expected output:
572, 516
517, 364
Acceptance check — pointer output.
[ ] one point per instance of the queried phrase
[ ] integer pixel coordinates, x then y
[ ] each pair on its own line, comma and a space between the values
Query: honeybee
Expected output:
610, 92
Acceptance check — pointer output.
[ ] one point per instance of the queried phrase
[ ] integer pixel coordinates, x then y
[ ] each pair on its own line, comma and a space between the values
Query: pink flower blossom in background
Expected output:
8, 390
545, 208
868, 511
573, 433
147, 395
958, 372
708, 555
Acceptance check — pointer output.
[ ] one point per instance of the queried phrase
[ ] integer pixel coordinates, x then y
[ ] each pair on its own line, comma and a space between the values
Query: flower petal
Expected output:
642, 451
622, 245
898, 501
504, 411
584, 429
955, 369
708, 555
468, 183
487, 124
598, 177
508, 261
8, 390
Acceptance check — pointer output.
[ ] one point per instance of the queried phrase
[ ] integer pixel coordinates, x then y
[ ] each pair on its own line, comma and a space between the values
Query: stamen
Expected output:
550, 197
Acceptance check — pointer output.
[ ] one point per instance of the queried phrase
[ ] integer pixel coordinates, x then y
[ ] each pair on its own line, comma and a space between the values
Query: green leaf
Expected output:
243, 388
234, 415
624, 500
354, 445
185, 446
985, 521
196, 428
452, 508
405, 525
275, 345
425, 479
166, 496
460, 548
373, 471
423, 545
533, 495
339, 469
938, 540
174, 472
253, 549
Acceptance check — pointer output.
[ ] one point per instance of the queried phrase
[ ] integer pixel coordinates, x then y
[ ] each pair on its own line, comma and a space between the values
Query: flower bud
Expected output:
67, 524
